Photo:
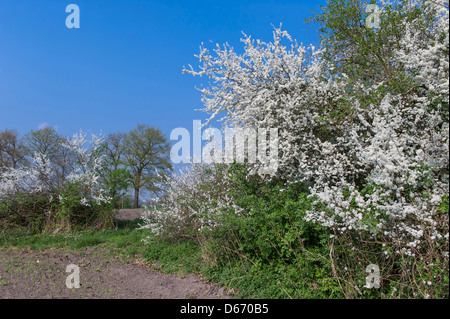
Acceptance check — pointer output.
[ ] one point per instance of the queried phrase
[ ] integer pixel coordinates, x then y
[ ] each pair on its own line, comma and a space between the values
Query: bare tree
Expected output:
47, 142
11, 149
114, 152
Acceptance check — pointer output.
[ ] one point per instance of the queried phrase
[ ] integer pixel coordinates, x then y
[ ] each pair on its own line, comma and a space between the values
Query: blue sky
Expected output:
123, 66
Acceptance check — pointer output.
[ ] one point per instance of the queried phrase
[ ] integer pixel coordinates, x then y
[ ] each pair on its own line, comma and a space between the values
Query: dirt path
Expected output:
38, 274
26, 274
129, 214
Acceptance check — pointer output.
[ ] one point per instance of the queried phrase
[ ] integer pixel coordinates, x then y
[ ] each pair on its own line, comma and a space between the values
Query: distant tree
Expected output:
115, 175
118, 182
48, 143
11, 149
44, 141
146, 152
114, 151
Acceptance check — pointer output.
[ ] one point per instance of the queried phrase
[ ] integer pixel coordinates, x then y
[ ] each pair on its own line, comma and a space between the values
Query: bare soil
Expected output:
103, 275
41, 275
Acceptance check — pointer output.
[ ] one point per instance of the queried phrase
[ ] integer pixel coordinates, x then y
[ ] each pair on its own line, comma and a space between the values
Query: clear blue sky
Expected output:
123, 66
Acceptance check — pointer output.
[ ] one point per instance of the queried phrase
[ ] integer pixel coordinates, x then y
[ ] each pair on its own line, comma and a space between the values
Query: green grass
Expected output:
125, 237
174, 258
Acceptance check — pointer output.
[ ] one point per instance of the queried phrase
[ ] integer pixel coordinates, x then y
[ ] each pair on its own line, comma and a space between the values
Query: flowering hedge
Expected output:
371, 141
33, 196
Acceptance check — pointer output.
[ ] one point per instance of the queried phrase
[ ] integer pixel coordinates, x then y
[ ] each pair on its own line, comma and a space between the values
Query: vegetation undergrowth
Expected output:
125, 238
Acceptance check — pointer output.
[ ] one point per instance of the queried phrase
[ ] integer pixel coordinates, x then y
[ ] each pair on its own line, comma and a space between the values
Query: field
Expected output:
111, 265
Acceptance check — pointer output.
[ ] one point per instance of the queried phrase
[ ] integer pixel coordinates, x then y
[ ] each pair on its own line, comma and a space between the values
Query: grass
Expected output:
126, 238
174, 258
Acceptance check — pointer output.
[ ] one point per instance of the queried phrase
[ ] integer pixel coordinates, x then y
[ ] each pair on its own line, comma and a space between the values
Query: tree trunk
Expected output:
136, 197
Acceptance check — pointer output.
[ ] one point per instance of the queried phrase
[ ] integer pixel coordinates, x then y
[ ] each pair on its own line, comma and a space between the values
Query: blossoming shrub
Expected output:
271, 250
73, 210
194, 197
245, 224
31, 197
363, 121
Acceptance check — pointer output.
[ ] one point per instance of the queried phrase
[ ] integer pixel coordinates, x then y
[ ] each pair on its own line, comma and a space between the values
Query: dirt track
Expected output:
129, 214
31, 274
43, 275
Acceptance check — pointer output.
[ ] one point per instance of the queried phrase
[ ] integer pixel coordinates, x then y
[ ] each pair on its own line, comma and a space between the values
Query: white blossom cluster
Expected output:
26, 180
402, 144
194, 197
269, 86
38, 177
396, 149
407, 177
89, 161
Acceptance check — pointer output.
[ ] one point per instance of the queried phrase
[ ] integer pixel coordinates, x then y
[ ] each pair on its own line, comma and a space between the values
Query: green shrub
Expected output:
55, 212
25, 211
275, 252
182, 257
